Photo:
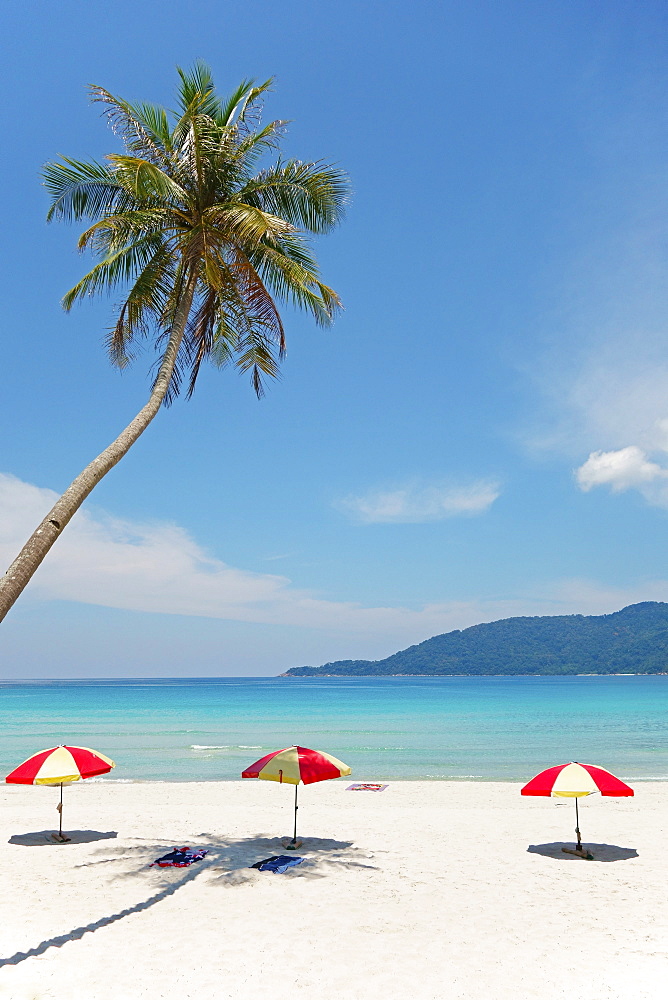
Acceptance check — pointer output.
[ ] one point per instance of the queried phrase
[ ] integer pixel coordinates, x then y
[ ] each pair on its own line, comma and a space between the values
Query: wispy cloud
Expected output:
416, 504
602, 373
158, 567
614, 395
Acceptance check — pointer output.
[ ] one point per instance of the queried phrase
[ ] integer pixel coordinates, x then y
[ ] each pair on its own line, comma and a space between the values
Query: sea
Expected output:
385, 728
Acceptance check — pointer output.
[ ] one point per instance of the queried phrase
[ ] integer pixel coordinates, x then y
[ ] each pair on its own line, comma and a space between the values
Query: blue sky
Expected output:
483, 433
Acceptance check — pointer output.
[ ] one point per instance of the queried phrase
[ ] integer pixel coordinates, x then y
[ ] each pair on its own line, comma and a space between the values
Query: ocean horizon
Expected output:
390, 728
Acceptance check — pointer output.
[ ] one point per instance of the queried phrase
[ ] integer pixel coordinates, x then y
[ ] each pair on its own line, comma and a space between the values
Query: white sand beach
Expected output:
426, 890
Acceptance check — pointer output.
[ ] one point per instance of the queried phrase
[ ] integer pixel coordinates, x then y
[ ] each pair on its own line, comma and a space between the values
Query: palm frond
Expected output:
300, 286
145, 181
115, 231
81, 189
257, 355
143, 127
224, 341
249, 150
245, 224
147, 299
245, 94
257, 300
117, 268
154, 118
197, 93
199, 336
311, 195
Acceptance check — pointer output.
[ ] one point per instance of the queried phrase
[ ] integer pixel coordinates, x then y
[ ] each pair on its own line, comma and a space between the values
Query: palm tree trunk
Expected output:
17, 577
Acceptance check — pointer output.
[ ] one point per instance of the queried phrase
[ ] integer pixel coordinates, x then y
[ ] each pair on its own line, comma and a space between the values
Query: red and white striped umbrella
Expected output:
293, 765
60, 766
573, 781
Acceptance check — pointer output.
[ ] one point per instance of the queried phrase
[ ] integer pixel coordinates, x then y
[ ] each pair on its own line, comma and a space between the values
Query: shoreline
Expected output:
301, 677
350, 677
469, 778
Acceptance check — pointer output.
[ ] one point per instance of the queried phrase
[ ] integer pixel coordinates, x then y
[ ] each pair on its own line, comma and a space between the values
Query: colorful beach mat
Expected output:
180, 857
366, 786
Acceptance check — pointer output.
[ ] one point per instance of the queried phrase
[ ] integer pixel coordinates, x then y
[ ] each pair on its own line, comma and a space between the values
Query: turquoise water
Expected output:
498, 728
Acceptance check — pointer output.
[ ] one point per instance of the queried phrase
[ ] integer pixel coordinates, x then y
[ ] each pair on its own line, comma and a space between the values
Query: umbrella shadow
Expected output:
601, 852
45, 838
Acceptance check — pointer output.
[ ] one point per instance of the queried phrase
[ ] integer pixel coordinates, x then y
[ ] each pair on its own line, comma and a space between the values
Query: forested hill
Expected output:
633, 640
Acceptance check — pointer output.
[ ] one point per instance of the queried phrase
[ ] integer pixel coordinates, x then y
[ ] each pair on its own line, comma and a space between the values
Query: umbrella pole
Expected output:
60, 836
578, 850
293, 845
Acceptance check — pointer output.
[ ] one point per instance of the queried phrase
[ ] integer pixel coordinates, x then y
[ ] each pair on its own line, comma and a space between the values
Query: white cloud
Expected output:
625, 469
157, 567
621, 470
417, 504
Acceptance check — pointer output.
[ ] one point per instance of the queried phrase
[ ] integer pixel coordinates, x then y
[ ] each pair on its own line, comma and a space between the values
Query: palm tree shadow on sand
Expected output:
44, 838
230, 860
323, 857
601, 852
78, 932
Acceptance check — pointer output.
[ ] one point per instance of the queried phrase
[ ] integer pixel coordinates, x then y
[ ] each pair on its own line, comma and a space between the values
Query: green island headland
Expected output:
631, 641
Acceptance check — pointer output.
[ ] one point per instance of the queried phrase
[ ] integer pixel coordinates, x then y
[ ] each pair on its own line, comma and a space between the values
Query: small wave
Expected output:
375, 749
650, 777
227, 746
199, 746
448, 777
117, 781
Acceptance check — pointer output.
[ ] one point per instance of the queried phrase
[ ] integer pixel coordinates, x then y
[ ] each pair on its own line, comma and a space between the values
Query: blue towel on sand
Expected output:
278, 864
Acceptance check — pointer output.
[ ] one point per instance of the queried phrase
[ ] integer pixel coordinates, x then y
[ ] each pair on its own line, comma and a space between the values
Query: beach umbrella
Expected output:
60, 766
294, 765
574, 781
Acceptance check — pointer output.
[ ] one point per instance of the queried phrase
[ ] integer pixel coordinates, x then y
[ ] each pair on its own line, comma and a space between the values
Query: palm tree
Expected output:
205, 240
